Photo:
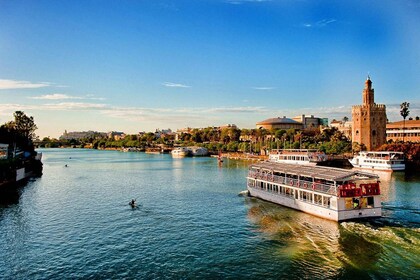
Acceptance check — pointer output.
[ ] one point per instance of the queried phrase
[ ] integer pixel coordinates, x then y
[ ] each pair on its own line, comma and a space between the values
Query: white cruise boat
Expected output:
331, 193
385, 161
181, 152
297, 156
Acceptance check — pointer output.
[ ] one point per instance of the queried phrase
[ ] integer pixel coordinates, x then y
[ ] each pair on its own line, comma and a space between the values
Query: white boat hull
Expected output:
382, 161
313, 209
381, 167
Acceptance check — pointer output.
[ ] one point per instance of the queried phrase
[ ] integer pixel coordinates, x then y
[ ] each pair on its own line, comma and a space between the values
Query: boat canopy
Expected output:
319, 172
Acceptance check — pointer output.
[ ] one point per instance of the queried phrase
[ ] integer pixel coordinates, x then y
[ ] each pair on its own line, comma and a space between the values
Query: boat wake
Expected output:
243, 193
321, 249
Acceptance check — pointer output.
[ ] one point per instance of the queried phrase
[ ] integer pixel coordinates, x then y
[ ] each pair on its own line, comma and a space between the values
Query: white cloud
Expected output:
73, 106
55, 96
61, 96
247, 110
168, 84
14, 84
325, 22
320, 23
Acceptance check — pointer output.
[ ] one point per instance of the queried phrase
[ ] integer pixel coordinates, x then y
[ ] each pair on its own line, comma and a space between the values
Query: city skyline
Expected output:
141, 65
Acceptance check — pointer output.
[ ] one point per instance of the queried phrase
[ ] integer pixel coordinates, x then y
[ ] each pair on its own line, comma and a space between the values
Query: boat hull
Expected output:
383, 161
393, 167
313, 209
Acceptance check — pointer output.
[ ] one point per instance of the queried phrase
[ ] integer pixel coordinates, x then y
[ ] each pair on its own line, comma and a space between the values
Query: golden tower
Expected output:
369, 120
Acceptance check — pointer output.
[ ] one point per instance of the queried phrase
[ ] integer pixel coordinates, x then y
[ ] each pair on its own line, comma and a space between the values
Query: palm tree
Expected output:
404, 113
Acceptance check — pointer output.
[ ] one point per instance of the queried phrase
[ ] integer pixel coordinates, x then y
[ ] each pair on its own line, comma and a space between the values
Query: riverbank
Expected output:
18, 170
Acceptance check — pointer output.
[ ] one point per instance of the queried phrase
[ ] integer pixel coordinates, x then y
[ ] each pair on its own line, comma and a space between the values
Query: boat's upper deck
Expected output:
294, 151
382, 154
316, 172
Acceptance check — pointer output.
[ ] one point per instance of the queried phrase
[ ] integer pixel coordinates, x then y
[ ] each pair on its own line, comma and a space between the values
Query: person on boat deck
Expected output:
355, 203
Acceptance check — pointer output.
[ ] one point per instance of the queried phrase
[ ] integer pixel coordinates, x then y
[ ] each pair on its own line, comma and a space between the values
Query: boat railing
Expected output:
301, 184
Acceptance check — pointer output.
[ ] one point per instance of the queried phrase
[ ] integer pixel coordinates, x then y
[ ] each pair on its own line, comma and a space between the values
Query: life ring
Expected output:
291, 182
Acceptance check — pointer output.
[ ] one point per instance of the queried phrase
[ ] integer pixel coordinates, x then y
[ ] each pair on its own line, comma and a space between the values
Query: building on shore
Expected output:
233, 126
77, 135
116, 135
344, 127
369, 120
311, 121
279, 123
410, 130
161, 133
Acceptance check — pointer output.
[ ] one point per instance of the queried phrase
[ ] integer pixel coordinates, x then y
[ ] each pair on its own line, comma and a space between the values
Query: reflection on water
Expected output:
9, 196
359, 249
311, 243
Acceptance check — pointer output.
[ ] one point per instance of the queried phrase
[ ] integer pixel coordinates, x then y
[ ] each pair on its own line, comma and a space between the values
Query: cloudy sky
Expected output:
141, 65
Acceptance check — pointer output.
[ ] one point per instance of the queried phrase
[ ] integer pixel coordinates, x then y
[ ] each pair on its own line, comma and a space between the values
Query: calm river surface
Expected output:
75, 222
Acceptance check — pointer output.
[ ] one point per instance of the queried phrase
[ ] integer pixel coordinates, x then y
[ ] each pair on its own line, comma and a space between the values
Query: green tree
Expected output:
20, 132
25, 125
404, 113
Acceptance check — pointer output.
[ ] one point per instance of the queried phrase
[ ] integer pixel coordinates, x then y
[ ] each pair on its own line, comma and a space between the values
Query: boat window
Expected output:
326, 201
370, 201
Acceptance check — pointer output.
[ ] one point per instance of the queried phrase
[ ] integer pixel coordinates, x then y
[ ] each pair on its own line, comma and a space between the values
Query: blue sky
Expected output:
141, 65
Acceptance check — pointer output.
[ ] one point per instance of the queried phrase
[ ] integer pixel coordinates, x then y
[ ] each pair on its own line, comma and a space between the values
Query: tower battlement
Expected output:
373, 106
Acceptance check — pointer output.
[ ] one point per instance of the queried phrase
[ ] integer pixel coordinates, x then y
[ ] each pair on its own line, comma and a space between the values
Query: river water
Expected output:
75, 222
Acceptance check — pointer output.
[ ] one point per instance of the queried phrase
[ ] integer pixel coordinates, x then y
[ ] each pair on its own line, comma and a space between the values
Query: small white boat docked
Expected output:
181, 152
331, 193
297, 156
384, 161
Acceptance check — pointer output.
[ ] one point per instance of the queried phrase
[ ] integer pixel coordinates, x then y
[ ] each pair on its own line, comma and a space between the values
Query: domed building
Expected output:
279, 123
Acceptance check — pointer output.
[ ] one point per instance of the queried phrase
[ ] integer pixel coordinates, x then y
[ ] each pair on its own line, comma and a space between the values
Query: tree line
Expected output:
329, 140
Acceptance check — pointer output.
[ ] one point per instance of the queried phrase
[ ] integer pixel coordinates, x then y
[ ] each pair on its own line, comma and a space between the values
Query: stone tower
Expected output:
369, 120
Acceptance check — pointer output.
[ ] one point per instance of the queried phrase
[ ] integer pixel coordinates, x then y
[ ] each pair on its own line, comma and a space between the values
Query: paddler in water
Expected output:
132, 203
